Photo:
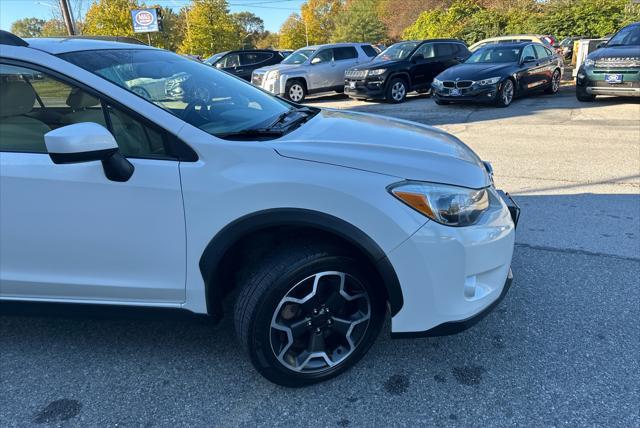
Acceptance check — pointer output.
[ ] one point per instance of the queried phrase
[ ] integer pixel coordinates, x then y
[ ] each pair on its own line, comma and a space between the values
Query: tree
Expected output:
397, 15
251, 28
54, 28
360, 23
110, 18
268, 40
320, 17
292, 32
210, 28
28, 27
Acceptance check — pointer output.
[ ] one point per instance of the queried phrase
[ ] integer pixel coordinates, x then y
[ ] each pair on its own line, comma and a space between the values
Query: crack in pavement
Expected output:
575, 251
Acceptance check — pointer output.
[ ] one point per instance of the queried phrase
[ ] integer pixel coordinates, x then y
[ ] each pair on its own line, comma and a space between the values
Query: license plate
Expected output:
455, 92
352, 85
613, 78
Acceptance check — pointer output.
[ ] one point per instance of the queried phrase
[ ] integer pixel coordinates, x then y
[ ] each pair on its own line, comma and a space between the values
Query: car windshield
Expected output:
629, 36
209, 99
213, 58
495, 53
398, 51
299, 56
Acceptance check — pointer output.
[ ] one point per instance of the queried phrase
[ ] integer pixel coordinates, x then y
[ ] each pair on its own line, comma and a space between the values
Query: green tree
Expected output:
28, 27
268, 40
54, 28
110, 18
251, 28
359, 23
210, 28
292, 32
320, 18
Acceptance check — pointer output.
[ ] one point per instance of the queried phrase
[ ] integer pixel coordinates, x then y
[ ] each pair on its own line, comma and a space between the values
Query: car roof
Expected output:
333, 45
510, 44
63, 45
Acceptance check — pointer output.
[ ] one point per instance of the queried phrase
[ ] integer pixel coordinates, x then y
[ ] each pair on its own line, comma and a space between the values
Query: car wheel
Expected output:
295, 91
307, 314
554, 86
396, 90
141, 92
583, 96
505, 94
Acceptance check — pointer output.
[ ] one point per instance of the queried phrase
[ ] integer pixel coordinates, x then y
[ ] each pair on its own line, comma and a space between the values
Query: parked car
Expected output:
242, 63
402, 68
545, 40
312, 70
614, 69
499, 72
565, 48
111, 199
168, 88
286, 52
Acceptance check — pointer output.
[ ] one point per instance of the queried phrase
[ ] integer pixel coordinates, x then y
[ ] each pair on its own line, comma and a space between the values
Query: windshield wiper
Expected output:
303, 118
251, 133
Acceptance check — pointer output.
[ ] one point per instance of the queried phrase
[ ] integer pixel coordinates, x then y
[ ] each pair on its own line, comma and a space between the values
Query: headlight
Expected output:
437, 83
589, 62
491, 81
273, 75
448, 205
376, 72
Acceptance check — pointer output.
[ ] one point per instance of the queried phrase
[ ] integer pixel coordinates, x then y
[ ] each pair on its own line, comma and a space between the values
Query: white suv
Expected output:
312, 70
323, 221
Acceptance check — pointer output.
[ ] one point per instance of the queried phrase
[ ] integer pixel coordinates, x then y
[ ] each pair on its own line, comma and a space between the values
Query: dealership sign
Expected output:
145, 20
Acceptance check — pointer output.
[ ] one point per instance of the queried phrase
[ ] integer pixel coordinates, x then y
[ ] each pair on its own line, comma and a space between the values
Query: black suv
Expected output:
242, 63
402, 68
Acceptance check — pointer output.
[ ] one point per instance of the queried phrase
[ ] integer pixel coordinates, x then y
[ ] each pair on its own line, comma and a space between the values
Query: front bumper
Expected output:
592, 82
485, 94
364, 89
452, 277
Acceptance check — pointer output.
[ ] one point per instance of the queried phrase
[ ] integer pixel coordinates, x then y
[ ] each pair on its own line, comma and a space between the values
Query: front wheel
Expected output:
396, 90
583, 96
308, 314
554, 86
505, 93
295, 91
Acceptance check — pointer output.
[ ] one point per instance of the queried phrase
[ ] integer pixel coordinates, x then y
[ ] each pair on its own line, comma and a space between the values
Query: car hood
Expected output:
283, 68
476, 71
387, 146
615, 52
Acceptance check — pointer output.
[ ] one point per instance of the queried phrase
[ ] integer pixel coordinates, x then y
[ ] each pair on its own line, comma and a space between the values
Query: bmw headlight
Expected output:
437, 83
445, 204
376, 72
589, 62
490, 81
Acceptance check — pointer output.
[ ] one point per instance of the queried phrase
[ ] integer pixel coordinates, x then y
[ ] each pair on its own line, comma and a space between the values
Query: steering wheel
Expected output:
202, 113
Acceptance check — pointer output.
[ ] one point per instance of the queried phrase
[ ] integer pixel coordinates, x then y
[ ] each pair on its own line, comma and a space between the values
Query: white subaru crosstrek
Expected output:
321, 220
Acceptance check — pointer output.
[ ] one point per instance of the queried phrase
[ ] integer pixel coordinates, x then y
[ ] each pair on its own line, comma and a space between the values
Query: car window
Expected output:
298, 57
540, 51
398, 51
528, 51
348, 52
325, 55
426, 51
445, 49
196, 93
495, 54
369, 50
250, 58
463, 51
628, 36
549, 52
231, 60
35, 103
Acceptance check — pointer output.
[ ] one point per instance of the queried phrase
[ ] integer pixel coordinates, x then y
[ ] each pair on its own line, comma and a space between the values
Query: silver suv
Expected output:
312, 69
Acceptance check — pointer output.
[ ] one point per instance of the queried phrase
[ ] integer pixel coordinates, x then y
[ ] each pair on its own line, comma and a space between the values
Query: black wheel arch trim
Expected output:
403, 74
241, 227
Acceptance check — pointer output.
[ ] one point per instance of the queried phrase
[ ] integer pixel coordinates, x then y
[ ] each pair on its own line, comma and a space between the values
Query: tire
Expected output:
295, 91
396, 90
554, 86
283, 291
505, 93
583, 96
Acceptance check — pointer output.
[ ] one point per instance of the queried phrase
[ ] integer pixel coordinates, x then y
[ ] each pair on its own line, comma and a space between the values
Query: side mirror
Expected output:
417, 57
88, 142
315, 60
527, 59
218, 65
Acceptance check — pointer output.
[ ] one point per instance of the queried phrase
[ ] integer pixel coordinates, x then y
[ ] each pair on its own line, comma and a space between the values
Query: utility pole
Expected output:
306, 31
66, 15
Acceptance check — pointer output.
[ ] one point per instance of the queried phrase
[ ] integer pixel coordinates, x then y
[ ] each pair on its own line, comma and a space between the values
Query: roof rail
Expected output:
7, 38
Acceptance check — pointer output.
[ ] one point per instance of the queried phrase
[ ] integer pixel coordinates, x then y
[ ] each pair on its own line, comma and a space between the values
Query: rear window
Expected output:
344, 53
444, 49
369, 50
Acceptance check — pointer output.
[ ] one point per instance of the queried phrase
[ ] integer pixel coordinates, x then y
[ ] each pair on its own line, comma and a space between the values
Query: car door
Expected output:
423, 64
68, 232
530, 70
445, 57
344, 58
545, 63
321, 70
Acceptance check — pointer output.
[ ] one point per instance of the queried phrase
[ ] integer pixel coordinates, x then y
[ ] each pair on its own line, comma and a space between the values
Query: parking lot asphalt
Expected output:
562, 349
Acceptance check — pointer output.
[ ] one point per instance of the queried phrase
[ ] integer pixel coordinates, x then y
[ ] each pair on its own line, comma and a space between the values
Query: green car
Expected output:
613, 69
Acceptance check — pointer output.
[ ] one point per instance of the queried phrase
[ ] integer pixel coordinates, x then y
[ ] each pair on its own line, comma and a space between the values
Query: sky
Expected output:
273, 12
